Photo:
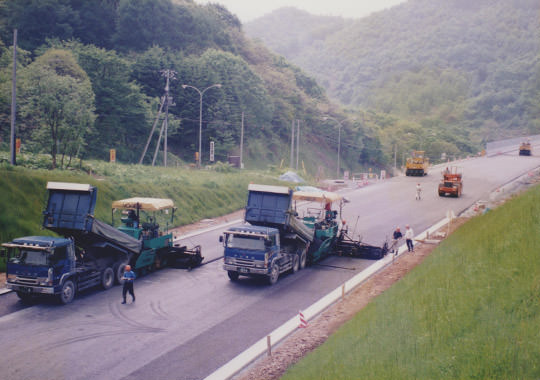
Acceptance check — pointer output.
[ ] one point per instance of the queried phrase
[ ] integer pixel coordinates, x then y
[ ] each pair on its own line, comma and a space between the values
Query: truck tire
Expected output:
233, 276
107, 278
274, 274
303, 259
119, 273
68, 292
296, 263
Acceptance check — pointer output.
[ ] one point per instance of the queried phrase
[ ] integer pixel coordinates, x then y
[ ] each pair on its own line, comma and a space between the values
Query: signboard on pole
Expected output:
211, 151
112, 155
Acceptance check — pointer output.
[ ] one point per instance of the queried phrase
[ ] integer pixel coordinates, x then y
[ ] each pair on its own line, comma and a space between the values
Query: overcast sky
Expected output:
247, 10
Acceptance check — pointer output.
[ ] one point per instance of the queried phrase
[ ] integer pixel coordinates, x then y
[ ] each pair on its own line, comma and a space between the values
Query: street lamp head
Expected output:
184, 86
218, 85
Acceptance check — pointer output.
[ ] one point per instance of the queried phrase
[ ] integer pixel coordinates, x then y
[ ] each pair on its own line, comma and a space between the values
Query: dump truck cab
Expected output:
251, 250
37, 265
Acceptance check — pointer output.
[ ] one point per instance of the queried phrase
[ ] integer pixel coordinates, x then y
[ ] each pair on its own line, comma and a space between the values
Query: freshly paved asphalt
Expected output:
186, 324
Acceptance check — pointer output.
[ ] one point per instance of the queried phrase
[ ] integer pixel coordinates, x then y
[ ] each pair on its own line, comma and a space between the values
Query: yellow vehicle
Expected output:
417, 164
525, 148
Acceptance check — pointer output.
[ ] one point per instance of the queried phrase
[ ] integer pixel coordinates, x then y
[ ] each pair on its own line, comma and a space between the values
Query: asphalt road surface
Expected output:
186, 324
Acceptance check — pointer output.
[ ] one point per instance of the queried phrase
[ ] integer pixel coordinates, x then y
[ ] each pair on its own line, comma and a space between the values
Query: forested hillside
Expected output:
90, 78
454, 72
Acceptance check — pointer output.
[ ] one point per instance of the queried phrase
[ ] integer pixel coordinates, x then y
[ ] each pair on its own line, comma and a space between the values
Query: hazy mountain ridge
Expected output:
491, 45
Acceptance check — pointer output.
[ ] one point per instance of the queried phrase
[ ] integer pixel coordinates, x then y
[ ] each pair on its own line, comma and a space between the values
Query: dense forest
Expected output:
448, 74
90, 77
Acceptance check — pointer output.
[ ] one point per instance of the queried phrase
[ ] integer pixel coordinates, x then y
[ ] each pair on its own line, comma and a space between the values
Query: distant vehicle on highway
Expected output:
525, 148
451, 182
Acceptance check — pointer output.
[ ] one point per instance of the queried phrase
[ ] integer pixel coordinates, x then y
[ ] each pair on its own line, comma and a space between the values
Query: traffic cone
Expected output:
303, 322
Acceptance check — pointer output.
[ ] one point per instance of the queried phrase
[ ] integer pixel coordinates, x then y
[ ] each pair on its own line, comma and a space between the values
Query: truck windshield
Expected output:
245, 242
29, 257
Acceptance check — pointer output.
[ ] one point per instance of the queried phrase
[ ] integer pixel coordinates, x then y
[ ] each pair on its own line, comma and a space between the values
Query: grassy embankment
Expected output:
197, 194
471, 310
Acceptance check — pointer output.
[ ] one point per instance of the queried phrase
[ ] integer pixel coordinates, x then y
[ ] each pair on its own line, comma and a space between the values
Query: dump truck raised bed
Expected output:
417, 164
90, 253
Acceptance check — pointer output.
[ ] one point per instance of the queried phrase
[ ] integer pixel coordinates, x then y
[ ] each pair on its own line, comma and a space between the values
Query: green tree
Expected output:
123, 110
58, 101
37, 20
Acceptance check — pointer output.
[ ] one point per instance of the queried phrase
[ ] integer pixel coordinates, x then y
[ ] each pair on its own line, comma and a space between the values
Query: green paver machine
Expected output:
159, 249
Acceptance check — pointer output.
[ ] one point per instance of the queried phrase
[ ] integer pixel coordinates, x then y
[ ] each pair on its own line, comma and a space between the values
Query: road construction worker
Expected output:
409, 236
396, 237
129, 277
418, 192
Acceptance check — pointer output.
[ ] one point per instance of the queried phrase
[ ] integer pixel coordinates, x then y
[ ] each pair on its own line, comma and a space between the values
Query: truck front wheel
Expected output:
107, 278
274, 274
233, 276
68, 292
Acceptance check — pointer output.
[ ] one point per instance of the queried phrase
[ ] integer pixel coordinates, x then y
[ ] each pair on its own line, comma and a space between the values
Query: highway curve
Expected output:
186, 324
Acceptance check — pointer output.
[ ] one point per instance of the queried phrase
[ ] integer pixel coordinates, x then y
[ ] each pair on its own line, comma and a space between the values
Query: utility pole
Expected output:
297, 142
242, 143
168, 74
292, 145
13, 144
152, 131
395, 158
158, 143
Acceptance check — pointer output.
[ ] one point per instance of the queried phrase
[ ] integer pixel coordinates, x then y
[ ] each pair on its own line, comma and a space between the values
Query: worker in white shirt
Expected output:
409, 236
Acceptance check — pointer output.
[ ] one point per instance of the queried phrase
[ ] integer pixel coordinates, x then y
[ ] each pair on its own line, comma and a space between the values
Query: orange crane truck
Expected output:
452, 182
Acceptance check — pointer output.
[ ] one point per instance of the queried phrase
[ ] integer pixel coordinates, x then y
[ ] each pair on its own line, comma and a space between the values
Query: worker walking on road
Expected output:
129, 277
418, 192
409, 236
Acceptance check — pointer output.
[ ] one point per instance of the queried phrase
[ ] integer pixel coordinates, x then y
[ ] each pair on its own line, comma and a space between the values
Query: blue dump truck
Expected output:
276, 240
90, 252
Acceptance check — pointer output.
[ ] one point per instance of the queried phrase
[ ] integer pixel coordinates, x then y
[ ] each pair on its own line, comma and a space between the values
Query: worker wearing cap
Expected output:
129, 277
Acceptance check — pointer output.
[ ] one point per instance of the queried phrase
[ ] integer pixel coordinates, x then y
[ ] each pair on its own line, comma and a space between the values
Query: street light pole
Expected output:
201, 93
339, 142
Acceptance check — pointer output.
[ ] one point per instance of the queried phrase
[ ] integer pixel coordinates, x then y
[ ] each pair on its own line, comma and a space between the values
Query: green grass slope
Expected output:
470, 311
196, 194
